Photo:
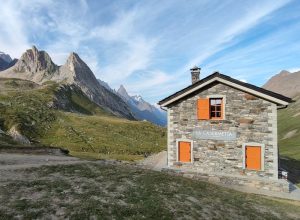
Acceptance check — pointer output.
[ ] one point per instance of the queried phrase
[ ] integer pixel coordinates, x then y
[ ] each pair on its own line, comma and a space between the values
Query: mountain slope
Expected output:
38, 67
3, 64
6, 61
5, 57
285, 83
289, 130
142, 109
58, 115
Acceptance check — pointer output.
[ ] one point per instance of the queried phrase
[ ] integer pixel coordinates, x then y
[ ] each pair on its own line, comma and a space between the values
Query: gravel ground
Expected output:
10, 161
156, 161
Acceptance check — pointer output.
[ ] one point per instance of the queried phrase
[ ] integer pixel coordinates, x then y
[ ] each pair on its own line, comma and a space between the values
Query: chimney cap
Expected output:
195, 68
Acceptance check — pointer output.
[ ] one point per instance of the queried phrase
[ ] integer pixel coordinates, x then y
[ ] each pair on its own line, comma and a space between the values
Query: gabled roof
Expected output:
221, 78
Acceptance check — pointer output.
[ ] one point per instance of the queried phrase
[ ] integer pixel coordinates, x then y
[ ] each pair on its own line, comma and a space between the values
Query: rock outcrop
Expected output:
17, 136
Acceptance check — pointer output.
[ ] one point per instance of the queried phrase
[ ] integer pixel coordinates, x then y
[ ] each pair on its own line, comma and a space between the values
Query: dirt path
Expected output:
10, 161
156, 161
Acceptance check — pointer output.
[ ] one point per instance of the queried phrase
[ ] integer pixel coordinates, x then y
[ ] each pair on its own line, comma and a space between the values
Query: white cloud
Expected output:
150, 79
137, 57
13, 36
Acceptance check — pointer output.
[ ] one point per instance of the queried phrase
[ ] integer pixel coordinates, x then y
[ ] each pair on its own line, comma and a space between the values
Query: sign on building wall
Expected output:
214, 135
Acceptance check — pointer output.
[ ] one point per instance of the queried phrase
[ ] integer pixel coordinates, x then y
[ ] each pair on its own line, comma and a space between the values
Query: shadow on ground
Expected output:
293, 168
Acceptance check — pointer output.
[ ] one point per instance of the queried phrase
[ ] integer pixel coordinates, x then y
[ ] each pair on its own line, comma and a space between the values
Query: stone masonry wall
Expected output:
254, 120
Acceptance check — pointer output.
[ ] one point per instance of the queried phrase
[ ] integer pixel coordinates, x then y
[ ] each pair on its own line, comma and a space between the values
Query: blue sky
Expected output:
149, 46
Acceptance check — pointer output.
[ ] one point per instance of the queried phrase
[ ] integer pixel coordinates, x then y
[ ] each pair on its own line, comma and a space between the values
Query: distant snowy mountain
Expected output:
142, 109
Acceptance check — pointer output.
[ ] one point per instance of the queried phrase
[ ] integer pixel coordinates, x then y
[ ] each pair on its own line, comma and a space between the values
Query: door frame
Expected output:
262, 154
177, 149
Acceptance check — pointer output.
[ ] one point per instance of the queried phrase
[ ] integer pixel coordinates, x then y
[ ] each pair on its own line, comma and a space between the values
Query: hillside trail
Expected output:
10, 161
156, 161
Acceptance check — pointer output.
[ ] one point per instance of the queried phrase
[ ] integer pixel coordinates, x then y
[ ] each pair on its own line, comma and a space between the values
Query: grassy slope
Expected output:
288, 120
289, 148
105, 136
91, 132
99, 191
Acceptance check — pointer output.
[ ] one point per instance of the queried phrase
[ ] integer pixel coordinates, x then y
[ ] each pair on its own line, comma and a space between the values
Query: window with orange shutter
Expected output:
210, 108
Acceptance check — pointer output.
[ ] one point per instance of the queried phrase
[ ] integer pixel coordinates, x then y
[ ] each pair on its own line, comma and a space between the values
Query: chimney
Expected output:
195, 72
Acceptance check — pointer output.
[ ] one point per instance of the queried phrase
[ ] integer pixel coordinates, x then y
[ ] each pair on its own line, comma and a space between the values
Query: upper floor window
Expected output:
210, 108
215, 108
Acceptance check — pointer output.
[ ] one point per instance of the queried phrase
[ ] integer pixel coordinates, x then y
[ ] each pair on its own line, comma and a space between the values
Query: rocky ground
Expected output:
59, 187
155, 161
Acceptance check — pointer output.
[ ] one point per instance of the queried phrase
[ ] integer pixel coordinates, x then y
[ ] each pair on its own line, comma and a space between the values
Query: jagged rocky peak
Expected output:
37, 66
5, 57
123, 92
75, 61
138, 98
34, 60
75, 69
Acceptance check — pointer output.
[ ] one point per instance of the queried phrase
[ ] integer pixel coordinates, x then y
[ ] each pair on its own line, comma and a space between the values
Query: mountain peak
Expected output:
37, 66
74, 55
74, 61
285, 83
138, 98
35, 61
5, 57
123, 93
122, 90
33, 48
283, 73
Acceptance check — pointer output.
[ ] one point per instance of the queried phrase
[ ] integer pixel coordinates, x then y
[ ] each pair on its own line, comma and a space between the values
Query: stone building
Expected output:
225, 130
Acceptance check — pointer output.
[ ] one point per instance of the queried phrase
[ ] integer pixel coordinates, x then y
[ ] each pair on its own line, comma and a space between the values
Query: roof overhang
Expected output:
279, 100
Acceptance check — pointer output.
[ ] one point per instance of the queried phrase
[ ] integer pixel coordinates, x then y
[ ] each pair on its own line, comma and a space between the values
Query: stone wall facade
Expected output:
253, 119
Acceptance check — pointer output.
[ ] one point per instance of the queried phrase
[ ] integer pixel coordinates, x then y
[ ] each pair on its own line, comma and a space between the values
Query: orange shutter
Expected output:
203, 109
184, 151
253, 157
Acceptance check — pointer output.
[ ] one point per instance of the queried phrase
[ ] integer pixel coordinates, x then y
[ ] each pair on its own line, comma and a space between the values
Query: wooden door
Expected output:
184, 151
253, 157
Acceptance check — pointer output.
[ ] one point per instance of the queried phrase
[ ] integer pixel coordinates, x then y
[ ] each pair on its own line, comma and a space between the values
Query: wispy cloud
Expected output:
150, 45
13, 36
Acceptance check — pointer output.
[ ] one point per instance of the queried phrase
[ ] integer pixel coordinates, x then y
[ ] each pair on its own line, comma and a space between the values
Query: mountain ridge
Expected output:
285, 82
37, 66
6, 61
142, 109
